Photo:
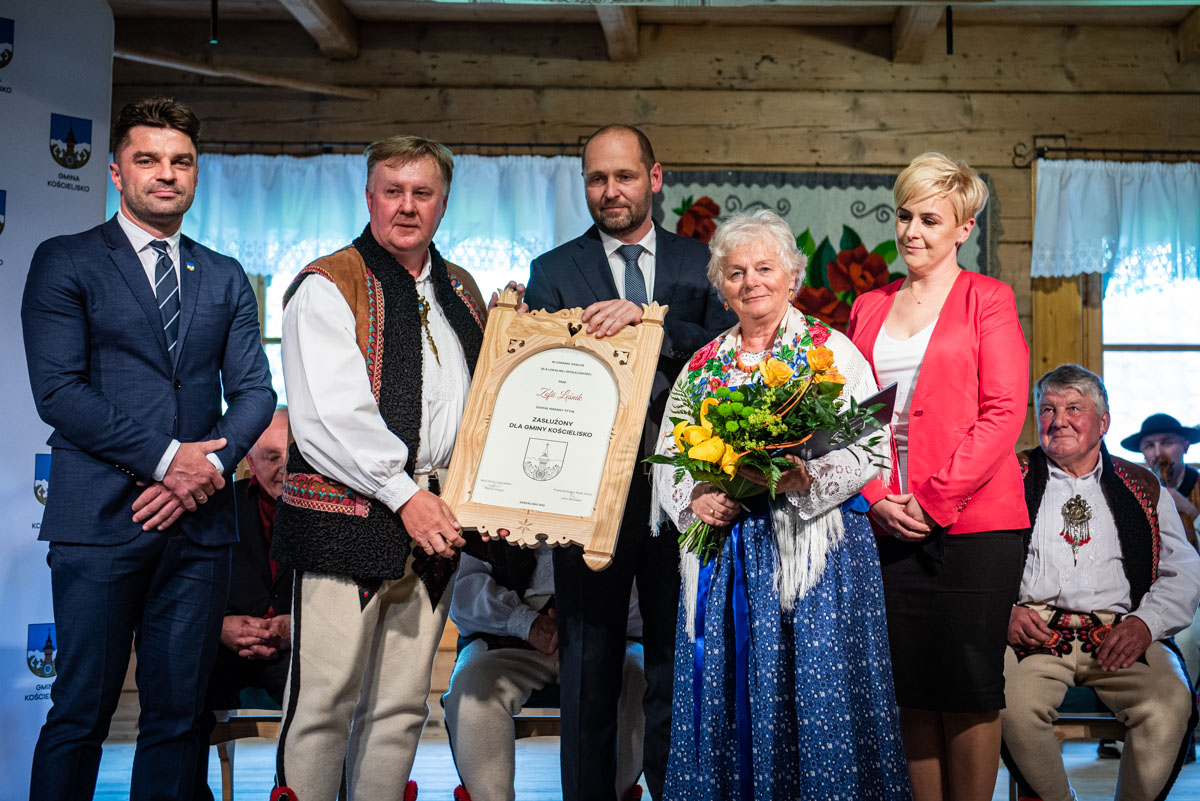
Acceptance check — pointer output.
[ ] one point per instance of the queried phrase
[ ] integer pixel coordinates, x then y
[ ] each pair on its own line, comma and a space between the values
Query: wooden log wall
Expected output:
775, 97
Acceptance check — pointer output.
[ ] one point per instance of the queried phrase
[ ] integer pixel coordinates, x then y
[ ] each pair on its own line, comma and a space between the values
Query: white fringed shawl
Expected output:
808, 526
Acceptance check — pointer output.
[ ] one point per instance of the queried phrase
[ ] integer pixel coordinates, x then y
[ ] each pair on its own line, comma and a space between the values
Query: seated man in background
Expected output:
1109, 577
508, 648
256, 632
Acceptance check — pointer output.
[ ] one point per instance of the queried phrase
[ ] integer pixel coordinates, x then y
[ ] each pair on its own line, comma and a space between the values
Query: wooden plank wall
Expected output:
708, 96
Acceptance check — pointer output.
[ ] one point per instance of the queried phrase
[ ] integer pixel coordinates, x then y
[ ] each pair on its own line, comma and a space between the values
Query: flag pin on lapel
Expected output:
191, 267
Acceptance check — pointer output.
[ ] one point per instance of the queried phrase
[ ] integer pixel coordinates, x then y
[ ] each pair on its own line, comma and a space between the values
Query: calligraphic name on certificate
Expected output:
549, 434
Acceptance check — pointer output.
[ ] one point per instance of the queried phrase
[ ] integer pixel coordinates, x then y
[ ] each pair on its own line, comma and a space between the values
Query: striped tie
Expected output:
166, 289
635, 283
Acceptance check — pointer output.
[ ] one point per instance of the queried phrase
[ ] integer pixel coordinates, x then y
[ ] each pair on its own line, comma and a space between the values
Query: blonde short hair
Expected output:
935, 174
403, 149
744, 229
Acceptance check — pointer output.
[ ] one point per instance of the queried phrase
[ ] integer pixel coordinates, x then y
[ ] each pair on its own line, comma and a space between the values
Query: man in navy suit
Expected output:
132, 334
617, 265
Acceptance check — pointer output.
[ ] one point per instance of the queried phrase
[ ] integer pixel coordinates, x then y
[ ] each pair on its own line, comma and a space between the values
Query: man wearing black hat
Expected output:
1163, 442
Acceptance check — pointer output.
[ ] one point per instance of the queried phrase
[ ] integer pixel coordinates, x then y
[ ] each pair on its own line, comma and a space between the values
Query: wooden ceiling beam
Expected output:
329, 23
620, 27
1189, 38
911, 32
248, 76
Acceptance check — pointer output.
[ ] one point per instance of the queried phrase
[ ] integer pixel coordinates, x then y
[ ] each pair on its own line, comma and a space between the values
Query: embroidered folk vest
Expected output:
321, 524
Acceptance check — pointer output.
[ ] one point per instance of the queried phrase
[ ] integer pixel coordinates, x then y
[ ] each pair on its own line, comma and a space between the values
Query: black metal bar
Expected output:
212, 23
949, 30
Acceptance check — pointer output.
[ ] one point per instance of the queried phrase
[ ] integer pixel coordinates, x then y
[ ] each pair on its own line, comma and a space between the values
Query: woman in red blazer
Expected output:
950, 514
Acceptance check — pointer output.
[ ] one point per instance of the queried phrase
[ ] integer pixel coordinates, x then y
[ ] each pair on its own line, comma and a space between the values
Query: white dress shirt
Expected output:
1097, 582
645, 260
140, 239
480, 605
334, 416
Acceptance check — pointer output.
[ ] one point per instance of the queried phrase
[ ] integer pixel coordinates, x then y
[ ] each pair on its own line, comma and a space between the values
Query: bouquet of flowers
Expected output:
720, 429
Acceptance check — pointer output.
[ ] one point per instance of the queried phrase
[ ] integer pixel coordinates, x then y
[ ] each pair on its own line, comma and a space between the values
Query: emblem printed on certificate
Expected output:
551, 430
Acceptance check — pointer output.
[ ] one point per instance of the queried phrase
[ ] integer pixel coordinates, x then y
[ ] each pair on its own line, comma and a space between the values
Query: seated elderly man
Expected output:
508, 642
1109, 577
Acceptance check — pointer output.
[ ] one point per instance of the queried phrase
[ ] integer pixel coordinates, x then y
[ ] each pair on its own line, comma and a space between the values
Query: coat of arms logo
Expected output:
544, 458
70, 140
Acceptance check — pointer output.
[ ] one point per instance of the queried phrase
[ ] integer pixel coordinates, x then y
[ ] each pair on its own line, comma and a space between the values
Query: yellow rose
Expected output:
710, 450
820, 359
833, 377
729, 461
775, 372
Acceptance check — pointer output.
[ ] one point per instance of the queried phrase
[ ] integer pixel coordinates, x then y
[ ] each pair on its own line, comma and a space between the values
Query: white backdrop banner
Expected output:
55, 89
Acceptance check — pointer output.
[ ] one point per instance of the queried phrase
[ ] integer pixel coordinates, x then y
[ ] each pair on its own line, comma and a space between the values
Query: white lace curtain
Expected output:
275, 214
1138, 224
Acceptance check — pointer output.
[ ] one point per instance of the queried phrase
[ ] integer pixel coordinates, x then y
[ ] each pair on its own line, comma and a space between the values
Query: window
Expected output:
1151, 353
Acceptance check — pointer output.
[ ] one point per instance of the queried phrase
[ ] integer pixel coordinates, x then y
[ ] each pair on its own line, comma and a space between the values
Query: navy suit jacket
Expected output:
578, 274
102, 378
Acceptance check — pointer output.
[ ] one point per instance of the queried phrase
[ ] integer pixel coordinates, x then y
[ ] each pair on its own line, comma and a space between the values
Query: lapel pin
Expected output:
191, 267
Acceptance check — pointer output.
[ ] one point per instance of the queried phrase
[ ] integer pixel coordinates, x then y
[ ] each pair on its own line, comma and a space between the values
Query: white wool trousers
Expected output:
358, 690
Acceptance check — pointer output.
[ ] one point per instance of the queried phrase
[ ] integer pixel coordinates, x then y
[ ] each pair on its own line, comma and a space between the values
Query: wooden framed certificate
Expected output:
550, 435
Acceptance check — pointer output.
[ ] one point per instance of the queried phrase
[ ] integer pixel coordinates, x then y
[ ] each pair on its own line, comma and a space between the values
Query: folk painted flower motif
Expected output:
703, 355
819, 333
824, 305
856, 271
699, 220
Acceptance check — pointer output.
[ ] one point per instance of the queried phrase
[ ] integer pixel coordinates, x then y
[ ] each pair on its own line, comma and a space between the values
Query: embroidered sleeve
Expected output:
840, 475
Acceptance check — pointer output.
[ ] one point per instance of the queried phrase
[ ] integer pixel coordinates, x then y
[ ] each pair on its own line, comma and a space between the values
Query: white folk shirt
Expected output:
645, 260
1097, 582
334, 416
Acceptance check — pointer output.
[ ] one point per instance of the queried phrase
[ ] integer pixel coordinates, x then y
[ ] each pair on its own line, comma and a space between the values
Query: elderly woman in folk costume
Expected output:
782, 676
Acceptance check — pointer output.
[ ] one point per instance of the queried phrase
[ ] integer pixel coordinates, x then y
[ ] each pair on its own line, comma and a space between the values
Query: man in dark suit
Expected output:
257, 630
617, 265
132, 334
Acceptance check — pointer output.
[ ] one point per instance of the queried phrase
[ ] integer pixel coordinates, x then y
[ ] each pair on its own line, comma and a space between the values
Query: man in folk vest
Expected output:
379, 341
1109, 577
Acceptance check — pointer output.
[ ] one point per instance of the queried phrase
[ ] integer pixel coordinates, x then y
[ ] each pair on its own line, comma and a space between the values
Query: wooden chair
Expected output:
236, 725
1081, 716
541, 725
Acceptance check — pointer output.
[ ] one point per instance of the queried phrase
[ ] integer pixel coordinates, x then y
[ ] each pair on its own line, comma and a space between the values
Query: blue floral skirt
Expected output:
810, 712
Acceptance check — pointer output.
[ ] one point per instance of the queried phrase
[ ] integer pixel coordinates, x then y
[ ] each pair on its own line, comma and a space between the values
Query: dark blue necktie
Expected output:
166, 289
635, 283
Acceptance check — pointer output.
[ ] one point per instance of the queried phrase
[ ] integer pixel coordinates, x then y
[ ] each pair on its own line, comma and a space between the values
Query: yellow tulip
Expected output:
775, 372
710, 450
729, 461
705, 405
820, 359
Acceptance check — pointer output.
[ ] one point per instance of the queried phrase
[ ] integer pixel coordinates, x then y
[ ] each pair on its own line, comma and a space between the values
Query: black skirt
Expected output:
948, 602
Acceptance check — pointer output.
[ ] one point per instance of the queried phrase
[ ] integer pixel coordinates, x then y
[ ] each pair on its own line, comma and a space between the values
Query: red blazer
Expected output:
968, 407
